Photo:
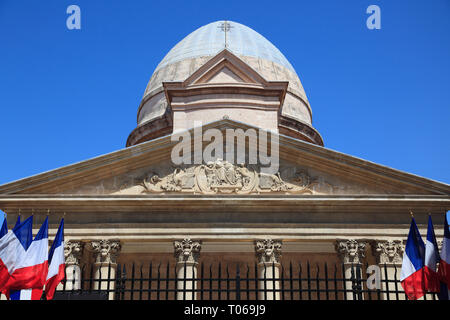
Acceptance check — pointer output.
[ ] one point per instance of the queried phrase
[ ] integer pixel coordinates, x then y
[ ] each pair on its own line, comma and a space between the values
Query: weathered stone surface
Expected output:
389, 252
73, 251
268, 251
352, 251
187, 251
293, 105
222, 177
105, 251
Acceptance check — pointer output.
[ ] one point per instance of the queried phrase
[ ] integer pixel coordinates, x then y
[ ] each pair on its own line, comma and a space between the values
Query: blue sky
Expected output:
70, 95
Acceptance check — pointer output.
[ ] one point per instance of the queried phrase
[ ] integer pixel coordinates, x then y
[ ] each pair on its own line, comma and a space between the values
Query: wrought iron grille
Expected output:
294, 281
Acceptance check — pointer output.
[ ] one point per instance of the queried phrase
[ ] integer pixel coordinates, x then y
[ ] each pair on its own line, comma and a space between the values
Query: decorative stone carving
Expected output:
224, 177
105, 251
268, 251
352, 251
187, 250
73, 251
389, 251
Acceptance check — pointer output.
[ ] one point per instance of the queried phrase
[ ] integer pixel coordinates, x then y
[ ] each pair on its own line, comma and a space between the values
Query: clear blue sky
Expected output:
70, 95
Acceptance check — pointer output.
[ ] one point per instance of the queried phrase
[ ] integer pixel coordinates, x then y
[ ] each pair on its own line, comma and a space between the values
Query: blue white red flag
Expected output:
56, 263
444, 263
30, 272
3, 228
13, 247
412, 274
432, 283
25, 294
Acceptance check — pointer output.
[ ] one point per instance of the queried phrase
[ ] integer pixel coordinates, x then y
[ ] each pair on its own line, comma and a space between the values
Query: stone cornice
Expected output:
151, 129
306, 131
380, 201
206, 211
141, 232
159, 89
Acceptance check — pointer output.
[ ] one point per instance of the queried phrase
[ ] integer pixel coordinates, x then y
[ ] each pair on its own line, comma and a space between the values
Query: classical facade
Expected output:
137, 205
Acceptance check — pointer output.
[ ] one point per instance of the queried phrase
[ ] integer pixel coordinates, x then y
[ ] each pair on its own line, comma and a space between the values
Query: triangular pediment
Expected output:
226, 68
304, 169
224, 75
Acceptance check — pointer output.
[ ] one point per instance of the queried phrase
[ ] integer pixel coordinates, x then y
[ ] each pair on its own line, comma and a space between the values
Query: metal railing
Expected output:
293, 281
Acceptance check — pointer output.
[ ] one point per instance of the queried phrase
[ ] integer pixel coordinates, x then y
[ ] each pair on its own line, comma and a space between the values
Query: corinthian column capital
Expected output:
187, 250
268, 250
388, 251
352, 251
105, 251
73, 251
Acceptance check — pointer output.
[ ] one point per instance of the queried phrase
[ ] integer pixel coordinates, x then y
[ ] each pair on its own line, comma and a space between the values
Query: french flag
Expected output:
56, 263
444, 263
13, 248
432, 283
412, 274
3, 232
30, 272
25, 294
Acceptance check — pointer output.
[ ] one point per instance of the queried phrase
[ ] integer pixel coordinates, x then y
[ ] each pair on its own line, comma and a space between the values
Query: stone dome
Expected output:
200, 46
210, 39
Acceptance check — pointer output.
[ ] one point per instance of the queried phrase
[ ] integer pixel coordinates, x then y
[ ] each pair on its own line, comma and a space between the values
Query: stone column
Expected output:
105, 254
73, 251
352, 253
187, 253
268, 253
389, 255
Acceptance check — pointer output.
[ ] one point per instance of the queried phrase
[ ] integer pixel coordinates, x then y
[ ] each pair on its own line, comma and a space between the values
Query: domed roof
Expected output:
195, 50
207, 41
212, 38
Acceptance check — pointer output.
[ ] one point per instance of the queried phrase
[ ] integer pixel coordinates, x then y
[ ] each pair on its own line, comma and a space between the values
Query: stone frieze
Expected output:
224, 177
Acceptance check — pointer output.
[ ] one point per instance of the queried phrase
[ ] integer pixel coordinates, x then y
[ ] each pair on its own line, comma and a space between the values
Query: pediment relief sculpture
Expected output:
222, 177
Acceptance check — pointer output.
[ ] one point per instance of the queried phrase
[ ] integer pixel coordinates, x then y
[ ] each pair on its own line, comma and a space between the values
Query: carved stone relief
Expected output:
352, 251
105, 251
389, 251
73, 251
187, 250
268, 251
224, 177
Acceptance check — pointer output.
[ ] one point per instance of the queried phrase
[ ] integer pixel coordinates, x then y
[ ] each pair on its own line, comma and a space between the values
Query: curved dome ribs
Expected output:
253, 82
